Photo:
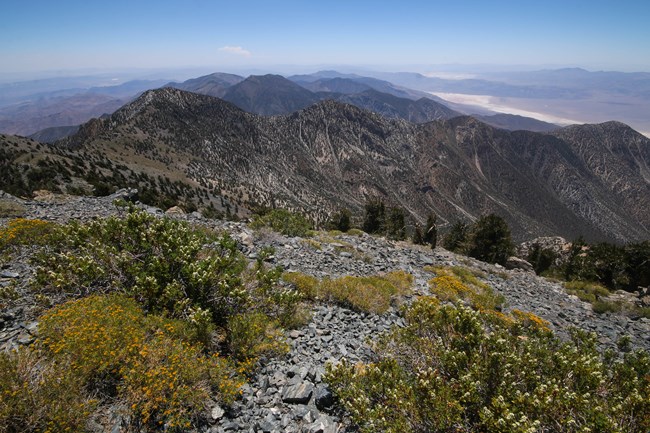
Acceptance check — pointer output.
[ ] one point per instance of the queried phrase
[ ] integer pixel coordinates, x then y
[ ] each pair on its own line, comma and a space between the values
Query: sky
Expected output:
38, 35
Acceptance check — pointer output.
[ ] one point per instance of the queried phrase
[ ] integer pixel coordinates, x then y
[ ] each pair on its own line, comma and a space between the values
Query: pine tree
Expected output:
491, 240
375, 218
430, 235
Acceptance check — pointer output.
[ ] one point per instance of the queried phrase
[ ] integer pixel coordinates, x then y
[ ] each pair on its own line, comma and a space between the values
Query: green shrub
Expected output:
251, 335
454, 369
586, 291
601, 307
283, 221
11, 209
165, 264
21, 231
356, 232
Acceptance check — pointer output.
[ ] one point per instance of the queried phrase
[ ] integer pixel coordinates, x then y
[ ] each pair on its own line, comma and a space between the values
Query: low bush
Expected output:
457, 283
283, 221
21, 231
455, 369
150, 361
37, 395
370, 294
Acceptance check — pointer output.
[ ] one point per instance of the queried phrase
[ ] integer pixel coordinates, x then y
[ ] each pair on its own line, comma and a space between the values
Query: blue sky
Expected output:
40, 35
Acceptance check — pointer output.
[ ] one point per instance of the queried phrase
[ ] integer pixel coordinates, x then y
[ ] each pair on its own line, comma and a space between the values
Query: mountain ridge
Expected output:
332, 154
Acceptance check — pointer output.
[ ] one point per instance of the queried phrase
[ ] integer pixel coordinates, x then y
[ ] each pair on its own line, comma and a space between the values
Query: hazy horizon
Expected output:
41, 36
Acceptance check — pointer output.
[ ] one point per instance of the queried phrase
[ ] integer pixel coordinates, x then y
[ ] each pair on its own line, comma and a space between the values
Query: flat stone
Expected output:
9, 274
299, 393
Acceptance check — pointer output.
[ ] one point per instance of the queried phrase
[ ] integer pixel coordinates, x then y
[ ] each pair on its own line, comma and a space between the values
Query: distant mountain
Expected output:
52, 134
333, 154
335, 85
332, 81
420, 111
269, 95
213, 85
513, 122
31, 117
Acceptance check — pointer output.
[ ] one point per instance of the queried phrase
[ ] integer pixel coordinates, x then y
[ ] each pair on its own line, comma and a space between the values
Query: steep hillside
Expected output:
332, 154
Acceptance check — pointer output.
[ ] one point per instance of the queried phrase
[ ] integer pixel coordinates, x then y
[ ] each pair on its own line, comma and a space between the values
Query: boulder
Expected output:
517, 263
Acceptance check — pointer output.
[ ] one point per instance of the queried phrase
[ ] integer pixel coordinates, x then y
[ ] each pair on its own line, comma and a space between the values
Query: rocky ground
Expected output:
288, 394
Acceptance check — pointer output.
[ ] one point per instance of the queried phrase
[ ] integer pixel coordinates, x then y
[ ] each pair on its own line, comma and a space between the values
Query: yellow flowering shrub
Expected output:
110, 345
38, 395
21, 231
456, 283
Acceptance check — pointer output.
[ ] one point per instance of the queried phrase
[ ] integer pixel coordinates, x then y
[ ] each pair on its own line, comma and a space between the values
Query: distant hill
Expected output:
513, 122
269, 95
333, 154
52, 134
213, 85
420, 111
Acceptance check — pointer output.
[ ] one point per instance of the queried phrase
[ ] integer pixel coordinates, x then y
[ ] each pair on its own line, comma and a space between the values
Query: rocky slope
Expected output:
287, 394
332, 154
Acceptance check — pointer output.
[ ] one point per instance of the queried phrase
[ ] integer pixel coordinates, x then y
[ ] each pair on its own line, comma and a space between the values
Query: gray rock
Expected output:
217, 413
517, 263
299, 393
323, 397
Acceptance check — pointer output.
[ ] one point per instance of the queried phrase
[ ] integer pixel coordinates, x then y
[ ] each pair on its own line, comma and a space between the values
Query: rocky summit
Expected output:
287, 393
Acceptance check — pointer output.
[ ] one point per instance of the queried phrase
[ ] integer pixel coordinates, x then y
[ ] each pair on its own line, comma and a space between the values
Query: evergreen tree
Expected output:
541, 258
430, 235
456, 239
375, 218
395, 227
341, 220
491, 240
418, 237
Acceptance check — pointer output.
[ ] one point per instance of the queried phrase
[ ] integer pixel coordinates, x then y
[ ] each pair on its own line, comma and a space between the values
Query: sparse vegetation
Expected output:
283, 221
371, 294
455, 369
151, 303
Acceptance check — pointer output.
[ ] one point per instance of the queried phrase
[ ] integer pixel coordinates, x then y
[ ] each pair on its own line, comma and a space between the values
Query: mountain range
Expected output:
591, 180
52, 115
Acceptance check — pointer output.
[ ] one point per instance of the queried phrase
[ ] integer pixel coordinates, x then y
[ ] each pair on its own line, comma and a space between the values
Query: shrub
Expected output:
164, 264
21, 231
586, 291
453, 369
356, 232
152, 362
283, 221
11, 209
457, 283
38, 395
370, 294
251, 335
